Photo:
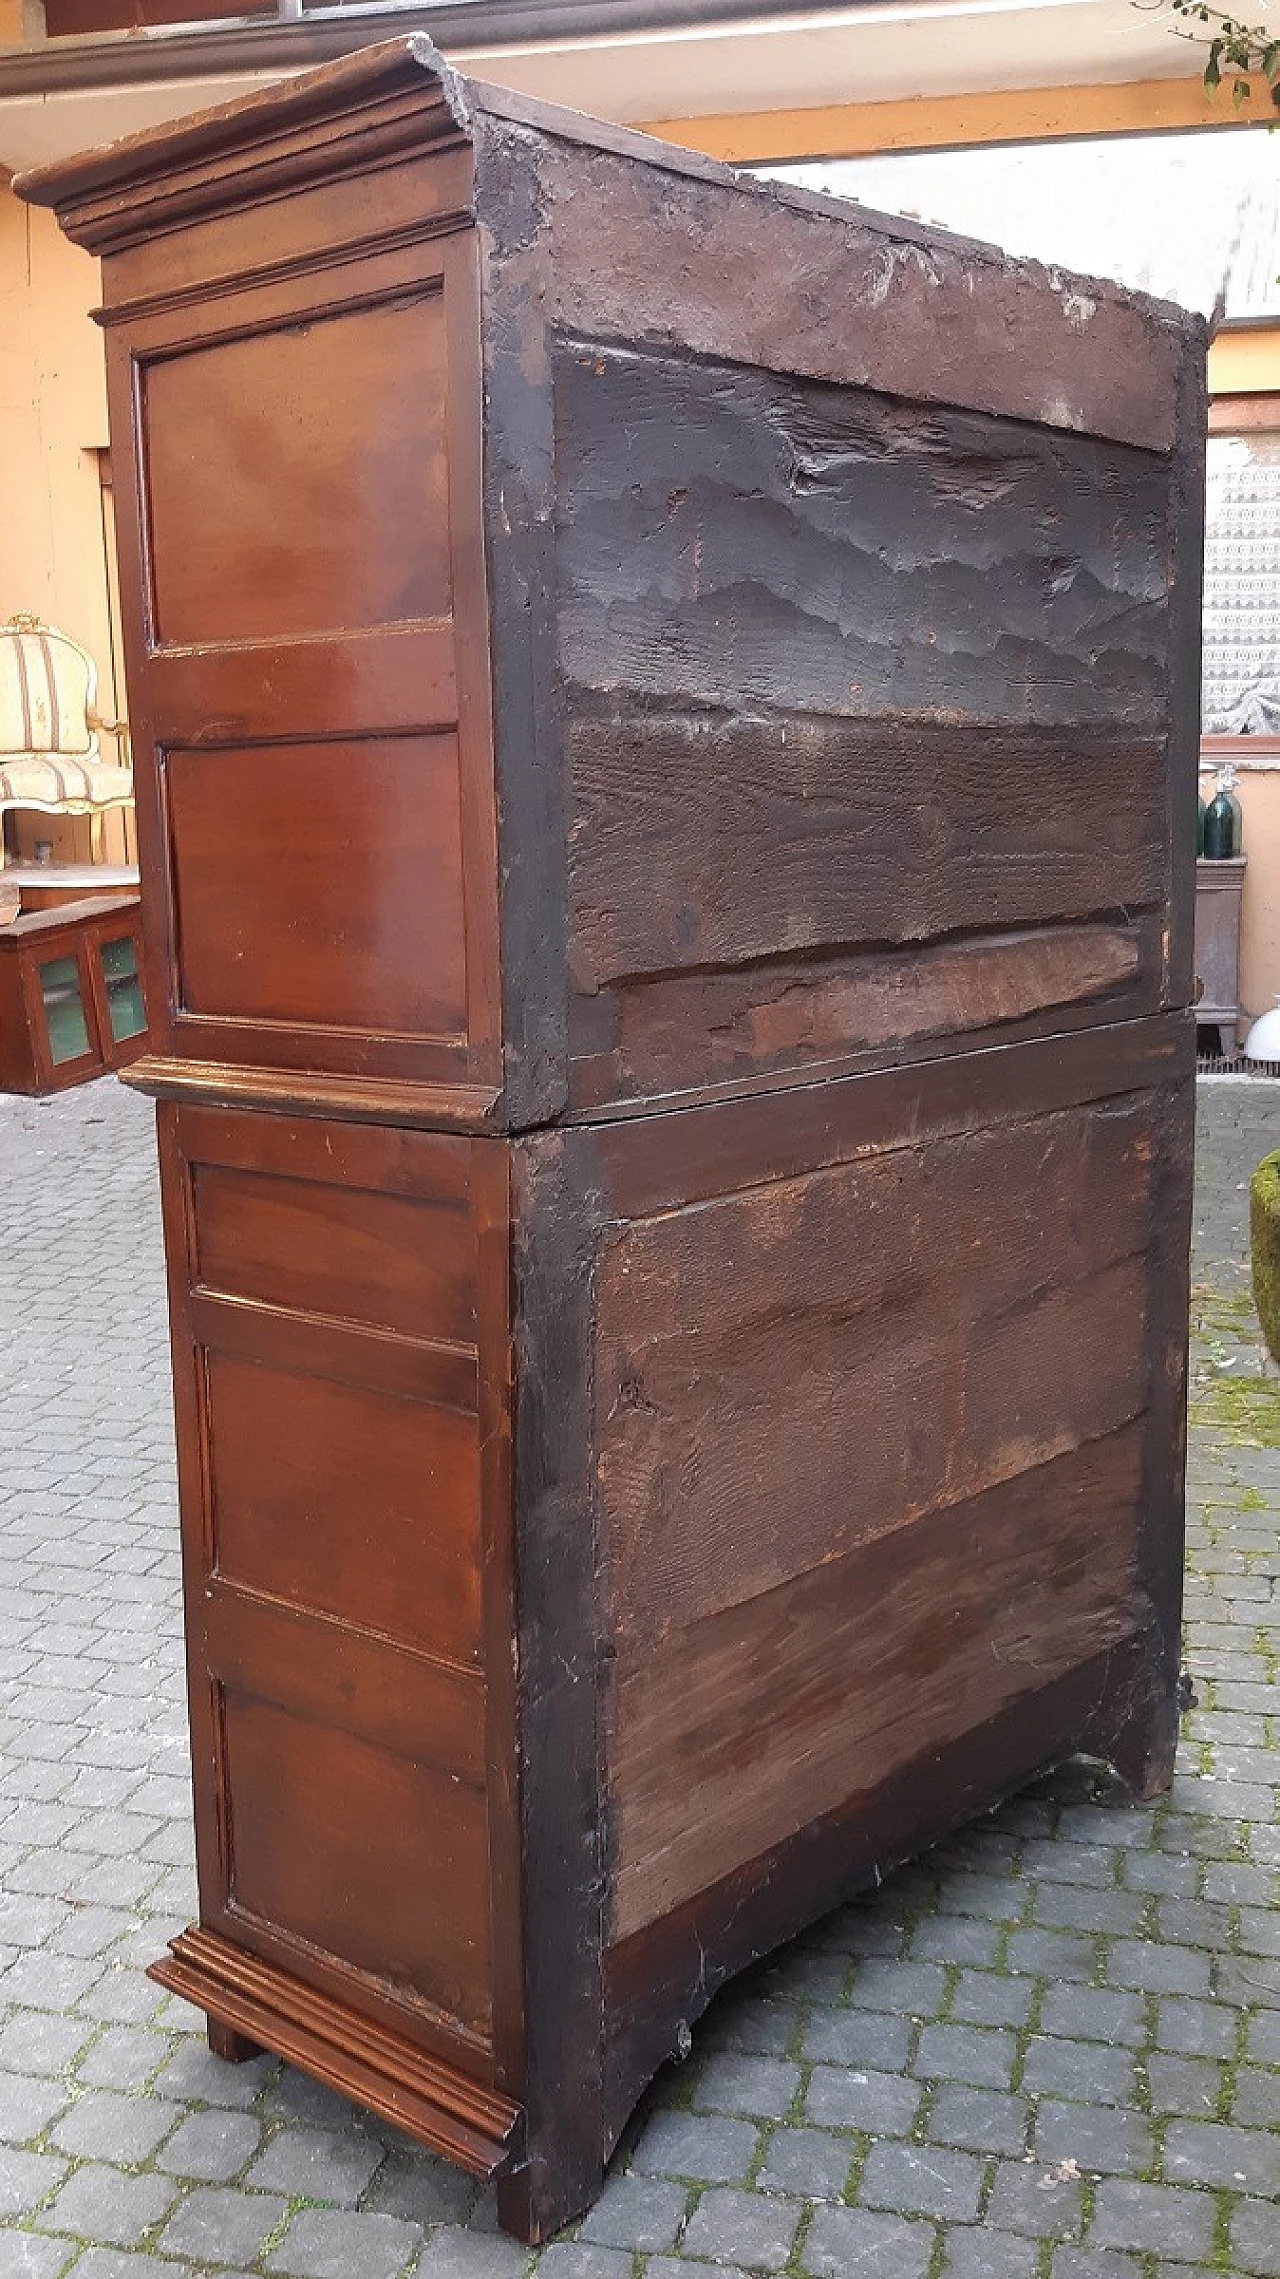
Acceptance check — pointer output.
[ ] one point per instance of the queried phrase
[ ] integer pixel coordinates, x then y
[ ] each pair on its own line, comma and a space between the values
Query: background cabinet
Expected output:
71, 994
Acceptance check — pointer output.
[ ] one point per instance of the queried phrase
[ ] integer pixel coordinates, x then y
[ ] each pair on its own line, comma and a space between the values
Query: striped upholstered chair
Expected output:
49, 726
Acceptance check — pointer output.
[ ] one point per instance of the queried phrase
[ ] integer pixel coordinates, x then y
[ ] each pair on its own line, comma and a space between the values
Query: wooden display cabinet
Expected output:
665, 728
71, 993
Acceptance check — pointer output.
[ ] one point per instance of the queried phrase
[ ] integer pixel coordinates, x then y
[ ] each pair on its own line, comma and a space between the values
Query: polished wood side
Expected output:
341, 1547
306, 641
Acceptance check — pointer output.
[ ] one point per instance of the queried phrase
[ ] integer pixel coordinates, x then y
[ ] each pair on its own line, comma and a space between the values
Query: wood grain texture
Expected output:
343, 417
368, 1509
353, 1849
367, 934
905, 1304
775, 1713
875, 833
717, 1028
763, 542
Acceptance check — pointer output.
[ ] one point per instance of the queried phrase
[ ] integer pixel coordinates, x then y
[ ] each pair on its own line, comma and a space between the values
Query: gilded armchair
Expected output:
50, 725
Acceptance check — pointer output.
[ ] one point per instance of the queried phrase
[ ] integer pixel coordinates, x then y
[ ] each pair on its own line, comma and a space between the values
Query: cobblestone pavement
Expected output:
1049, 2051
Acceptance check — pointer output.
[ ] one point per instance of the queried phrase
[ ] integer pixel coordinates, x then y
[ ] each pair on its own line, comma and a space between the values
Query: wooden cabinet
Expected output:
71, 997
665, 715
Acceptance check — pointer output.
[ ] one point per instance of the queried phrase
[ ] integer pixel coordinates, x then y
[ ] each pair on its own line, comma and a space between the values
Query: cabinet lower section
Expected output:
606, 1548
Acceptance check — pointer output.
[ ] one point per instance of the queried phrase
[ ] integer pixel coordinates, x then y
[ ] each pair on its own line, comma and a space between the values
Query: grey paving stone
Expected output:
955, 1939
1195, 2029
854, 2243
640, 2212
1095, 2263
769, 2029
881, 2104
978, 2120
758, 2087
1052, 1954
1158, 2218
676, 2267
1256, 2103
25, 2178
1263, 2042
1190, 2085
1236, 2160
984, 1998
808, 2164
1255, 2239
314, 2164
1081, 1907
1094, 2014
422, 2188
573, 2259
102, 2125
1095, 2137
922, 2180
124, 2058
972, 2252
1158, 1969
212, 2146
711, 2151
28, 2102
26, 2255
1028, 2199
984, 2058
864, 2039
905, 1989
750, 2228
1080, 2069
102, 2204
194, 2074
451, 2254
110, 2263
220, 2226
326, 2243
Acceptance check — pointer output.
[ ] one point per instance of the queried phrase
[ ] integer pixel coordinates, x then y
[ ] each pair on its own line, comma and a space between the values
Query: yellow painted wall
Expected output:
53, 423
1245, 361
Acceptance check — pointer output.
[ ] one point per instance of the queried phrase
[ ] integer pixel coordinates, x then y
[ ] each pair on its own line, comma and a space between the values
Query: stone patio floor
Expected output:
1051, 2050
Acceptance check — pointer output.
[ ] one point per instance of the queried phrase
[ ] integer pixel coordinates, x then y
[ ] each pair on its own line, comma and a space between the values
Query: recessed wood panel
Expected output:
363, 1854
391, 1262
351, 1501
320, 885
297, 479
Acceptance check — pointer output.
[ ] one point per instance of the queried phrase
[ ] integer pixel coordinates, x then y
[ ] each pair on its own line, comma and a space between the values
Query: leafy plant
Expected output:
1236, 51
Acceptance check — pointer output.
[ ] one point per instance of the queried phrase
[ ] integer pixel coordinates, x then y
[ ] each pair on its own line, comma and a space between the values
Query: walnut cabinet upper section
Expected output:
702, 635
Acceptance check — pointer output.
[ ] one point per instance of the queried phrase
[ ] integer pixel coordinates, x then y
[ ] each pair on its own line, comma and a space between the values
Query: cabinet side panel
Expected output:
298, 479
328, 1367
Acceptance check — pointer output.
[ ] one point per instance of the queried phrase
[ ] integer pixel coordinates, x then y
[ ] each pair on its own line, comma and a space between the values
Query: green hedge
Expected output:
1264, 1248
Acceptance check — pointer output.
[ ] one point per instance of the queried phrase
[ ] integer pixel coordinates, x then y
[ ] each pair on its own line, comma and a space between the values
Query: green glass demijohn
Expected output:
1222, 819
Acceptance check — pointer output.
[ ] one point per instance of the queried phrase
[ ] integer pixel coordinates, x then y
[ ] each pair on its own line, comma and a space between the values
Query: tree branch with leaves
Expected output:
1237, 52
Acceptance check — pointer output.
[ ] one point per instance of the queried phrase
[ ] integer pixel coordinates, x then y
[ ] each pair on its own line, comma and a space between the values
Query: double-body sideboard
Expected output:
664, 713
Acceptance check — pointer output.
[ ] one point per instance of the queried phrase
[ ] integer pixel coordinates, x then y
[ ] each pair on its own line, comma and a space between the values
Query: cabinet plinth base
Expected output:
256, 2001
